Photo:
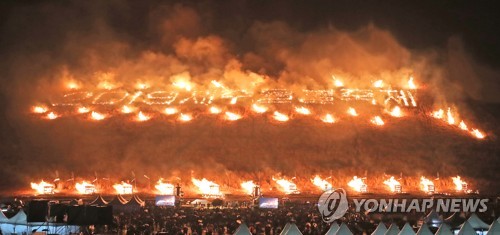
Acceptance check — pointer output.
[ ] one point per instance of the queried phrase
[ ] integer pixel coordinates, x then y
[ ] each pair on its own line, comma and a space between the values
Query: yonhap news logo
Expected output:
333, 204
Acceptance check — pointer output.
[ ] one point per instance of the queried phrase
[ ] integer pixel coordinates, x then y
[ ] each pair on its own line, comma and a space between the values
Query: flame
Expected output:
280, 117
215, 110
328, 118
164, 188
43, 187
377, 120
127, 109
451, 119
83, 110
97, 116
232, 116
459, 183
478, 134
438, 114
396, 112
206, 187
258, 108
234, 100
378, 84
302, 110
123, 188
286, 186
141, 117
39, 109
72, 85
463, 126
106, 85
321, 183
185, 117
357, 184
411, 84
351, 111
183, 85
392, 183
338, 83
52, 116
248, 187
217, 84
170, 110
141, 86
426, 184
85, 188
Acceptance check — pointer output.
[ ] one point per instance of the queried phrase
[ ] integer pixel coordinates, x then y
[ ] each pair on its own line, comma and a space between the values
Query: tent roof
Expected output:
433, 218
99, 201
333, 228
424, 230
476, 223
3, 218
118, 200
444, 229
380, 230
407, 230
494, 228
135, 201
393, 230
19, 218
292, 230
242, 230
344, 230
466, 229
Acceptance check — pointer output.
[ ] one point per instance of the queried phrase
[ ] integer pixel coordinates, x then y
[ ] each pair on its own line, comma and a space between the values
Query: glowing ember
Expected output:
460, 185
127, 109
206, 187
248, 187
321, 183
463, 126
288, 187
351, 111
123, 188
97, 116
83, 110
328, 118
43, 187
411, 84
85, 188
164, 188
52, 116
280, 117
393, 185
357, 184
377, 120
451, 119
478, 134
378, 84
141, 117
438, 114
234, 100
258, 108
215, 110
170, 110
185, 117
232, 116
302, 110
427, 185
39, 109
396, 112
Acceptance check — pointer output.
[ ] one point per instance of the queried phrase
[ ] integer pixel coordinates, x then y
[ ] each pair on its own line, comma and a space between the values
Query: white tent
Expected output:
476, 223
242, 230
3, 218
466, 229
343, 230
433, 219
333, 229
380, 230
291, 229
407, 230
393, 230
424, 230
494, 228
444, 229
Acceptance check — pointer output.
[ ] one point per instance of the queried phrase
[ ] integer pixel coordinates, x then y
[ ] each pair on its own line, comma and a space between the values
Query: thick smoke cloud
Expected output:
125, 43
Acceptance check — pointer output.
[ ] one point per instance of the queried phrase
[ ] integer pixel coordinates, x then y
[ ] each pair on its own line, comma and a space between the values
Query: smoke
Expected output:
123, 44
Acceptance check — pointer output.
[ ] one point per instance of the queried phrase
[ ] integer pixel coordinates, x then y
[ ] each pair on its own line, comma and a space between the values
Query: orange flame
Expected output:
392, 183
439, 114
97, 116
451, 119
43, 187
463, 126
258, 108
338, 83
232, 116
215, 110
206, 187
321, 183
248, 187
141, 117
328, 118
123, 188
357, 184
83, 110
378, 84
396, 112
164, 188
185, 117
459, 183
478, 134
351, 111
411, 84
280, 117
52, 116
287, 186
183, 85
302, 110
141, 86
377, 120
426, 185
234, 100
85, 188
39, 109
170, 110
127, 109
72, 85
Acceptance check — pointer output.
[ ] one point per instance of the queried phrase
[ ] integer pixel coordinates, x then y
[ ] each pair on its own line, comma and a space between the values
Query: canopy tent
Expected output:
407, 230
466, 229
494, 228
344, 230
455, 220
393, 230
433, 219
333, 229
476, 223
444, 229
291, 230
380, 230
135, 201
99, 201
3, 218
242, 230
424, 230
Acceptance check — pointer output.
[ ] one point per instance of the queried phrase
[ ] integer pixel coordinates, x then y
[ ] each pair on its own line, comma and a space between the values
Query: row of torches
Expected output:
211, 189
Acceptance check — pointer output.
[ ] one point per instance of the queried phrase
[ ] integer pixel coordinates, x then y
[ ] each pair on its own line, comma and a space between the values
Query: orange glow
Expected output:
351, 111
459, 183
206, 187
451, 119
321, 183
302, 110
392, 183
328, 118
280, 117
83, 110
141, 86
248, 187
185, 117
97, 116
232, 116
377, 120
123, 188
463, 126
426, 185
215, 110
234, 100
258, 108
52, 116
164, 188
85, 188
106, 85
183, 85
478, 134
43, 187
286, 186
378, 84
72, 85
127, 109
357, 184
217, 84
39, 109
170, 111
141, 117
438, 114
411, 84
338, 83
396, 112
